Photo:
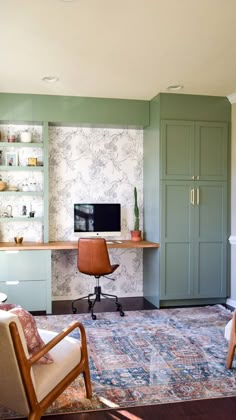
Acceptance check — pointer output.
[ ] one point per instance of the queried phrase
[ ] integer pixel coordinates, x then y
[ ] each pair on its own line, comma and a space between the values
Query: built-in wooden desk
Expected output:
63, 245
25, 275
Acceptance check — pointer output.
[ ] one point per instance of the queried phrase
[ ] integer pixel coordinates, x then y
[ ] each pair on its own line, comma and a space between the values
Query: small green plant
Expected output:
136, 210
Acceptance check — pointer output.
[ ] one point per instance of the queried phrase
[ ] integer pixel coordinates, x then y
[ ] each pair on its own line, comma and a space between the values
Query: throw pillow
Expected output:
33, 340
7, 306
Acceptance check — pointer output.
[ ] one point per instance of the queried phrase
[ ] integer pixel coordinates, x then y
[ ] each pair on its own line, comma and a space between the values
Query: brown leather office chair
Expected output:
93, 259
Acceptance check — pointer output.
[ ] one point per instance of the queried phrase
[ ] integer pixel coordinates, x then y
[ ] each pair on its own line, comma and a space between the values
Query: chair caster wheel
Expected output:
94, 317
122, 313
74, 310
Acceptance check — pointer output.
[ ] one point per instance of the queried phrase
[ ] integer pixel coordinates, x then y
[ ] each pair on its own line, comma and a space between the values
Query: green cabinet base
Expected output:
192, 302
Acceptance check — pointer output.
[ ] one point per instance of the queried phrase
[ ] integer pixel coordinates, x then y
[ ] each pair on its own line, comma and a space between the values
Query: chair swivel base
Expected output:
98, 293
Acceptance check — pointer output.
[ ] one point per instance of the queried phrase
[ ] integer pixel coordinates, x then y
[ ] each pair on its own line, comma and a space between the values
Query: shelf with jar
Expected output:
30, 188
21, 147
24, 174
21, 135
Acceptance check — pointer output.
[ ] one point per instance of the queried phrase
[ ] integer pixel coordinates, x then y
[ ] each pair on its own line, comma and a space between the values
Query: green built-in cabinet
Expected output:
25, 275
186, 193
193, 150
193, 239
26, 278
191, 200
193, 213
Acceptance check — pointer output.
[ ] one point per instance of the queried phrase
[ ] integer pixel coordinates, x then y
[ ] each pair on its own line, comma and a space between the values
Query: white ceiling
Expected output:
130, 49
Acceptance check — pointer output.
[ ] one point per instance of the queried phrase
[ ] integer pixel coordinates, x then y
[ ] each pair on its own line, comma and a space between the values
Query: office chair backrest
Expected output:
93, 257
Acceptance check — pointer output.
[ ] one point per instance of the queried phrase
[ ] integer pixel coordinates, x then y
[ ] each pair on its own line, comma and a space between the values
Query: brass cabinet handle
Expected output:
192, 201
198, 196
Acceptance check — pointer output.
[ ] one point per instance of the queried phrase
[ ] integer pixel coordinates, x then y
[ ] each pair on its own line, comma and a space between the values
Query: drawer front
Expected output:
25, 265
31, 295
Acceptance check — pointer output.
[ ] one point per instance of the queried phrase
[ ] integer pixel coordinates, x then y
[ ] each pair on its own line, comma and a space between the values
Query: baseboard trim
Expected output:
232, 240
231, 302
58, 298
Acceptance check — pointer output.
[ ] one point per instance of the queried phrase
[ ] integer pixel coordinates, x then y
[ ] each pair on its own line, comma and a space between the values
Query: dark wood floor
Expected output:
217, 409
106, 305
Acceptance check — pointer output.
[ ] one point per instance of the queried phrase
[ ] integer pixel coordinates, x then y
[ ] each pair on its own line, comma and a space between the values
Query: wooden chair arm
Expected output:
59, 337
25, 365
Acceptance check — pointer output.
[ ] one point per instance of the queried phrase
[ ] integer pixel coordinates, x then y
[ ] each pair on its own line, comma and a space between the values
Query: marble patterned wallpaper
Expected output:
94, 165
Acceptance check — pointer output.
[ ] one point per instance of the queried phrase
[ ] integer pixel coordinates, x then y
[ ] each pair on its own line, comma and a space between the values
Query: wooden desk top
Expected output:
63, 245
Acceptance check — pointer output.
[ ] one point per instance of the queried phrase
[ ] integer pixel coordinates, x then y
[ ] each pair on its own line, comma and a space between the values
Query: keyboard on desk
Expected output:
114, 242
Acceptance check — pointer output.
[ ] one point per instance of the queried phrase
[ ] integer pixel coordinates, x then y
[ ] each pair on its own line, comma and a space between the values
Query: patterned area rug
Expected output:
149, 357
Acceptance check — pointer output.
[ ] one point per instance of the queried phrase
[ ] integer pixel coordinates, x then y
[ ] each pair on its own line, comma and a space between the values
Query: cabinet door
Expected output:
210, 241
177, 150
211, 151
177, 228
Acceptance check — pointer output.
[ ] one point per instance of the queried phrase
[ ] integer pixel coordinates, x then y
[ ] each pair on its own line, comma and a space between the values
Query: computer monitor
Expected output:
97, 220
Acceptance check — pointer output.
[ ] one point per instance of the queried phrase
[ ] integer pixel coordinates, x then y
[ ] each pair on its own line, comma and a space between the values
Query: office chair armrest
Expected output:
59, 337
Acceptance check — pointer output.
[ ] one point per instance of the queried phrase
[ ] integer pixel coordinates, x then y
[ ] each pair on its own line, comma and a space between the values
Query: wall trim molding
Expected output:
232, 240
231, 302
232, 98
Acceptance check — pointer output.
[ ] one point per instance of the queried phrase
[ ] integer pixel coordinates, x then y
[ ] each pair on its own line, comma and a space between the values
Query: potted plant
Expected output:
136, 233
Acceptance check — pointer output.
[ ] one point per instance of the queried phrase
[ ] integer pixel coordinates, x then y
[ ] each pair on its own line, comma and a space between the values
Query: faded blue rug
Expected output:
149, 357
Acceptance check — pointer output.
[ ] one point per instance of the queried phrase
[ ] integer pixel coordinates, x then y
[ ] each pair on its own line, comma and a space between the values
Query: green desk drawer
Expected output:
31, 295
25, 265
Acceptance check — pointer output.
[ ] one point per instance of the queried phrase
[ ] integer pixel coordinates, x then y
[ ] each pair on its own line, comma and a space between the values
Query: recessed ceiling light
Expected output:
175, 87
50, 79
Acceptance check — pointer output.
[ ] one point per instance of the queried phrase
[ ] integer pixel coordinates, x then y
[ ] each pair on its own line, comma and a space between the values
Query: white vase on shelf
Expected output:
25, 137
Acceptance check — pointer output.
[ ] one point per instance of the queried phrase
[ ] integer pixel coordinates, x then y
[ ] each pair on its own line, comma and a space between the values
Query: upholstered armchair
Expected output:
230, 335
27, 386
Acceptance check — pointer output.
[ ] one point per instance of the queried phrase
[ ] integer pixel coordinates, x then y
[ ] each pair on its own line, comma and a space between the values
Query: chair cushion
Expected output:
228, 328
33, 340
66, 355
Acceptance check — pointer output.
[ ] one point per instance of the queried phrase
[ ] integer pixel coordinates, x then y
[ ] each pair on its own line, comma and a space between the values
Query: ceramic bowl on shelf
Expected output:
3, 185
